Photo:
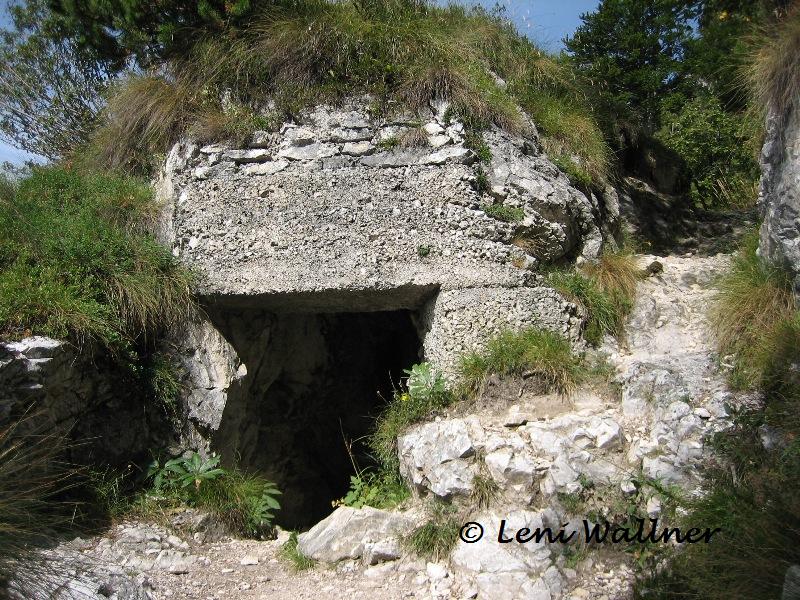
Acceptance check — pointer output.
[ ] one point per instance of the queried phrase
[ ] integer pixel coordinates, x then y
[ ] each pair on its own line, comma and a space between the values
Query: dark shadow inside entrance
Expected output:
314, 385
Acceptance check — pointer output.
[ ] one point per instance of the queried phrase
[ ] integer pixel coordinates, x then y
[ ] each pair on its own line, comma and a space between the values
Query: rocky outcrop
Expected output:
779, 193
83, 396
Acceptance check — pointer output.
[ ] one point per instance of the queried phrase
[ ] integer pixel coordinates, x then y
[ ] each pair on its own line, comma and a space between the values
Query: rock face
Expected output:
779, 194
86, 397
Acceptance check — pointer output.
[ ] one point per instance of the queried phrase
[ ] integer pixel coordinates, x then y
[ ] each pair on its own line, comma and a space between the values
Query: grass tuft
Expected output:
536, 352
773, 71
291, 55
291, 553
437, 536
484, 490
606, 289
76, 261
501, 212
33, 482
753, 316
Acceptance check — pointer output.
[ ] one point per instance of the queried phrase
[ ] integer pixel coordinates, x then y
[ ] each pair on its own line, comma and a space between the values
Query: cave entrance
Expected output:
314, 385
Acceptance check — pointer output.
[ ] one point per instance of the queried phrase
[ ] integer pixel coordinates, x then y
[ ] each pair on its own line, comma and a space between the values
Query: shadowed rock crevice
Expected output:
313, 384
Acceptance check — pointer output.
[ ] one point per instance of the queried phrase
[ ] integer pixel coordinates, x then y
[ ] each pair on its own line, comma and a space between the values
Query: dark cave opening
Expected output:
314, 385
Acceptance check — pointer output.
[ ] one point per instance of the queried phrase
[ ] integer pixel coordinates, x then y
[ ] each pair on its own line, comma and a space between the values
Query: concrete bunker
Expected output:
311, 385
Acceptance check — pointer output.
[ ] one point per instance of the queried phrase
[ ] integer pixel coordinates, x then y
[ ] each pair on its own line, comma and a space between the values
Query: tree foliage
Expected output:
50, 88
634, 49
120, 29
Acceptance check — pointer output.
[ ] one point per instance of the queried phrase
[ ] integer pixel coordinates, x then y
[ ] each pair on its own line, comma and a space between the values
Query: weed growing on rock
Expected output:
291, 553
606, 290
475, 142
389, 143
425, 391
481, 182
379, 489
437, 536
536, 352
501, 212
602, 315
484, 490
577, 176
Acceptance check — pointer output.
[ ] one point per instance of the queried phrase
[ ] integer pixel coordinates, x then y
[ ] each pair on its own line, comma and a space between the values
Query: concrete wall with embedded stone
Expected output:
779, 194
337, 213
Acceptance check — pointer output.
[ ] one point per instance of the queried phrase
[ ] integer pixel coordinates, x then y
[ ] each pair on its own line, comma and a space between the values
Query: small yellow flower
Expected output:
723, 15
404, 397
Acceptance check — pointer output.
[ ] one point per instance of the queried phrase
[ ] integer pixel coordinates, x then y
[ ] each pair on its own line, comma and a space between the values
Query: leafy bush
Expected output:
75, 261
716, 147
542, 353
381, 489
245, 502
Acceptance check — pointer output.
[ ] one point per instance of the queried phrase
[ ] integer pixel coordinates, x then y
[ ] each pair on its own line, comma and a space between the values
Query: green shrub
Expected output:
716, 147
76, 262
426, 390
245, 502
379, 489
542, 353
501, 212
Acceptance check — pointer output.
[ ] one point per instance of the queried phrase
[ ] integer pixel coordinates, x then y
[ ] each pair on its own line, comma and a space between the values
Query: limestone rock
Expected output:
432, 457
349, 533
779, 193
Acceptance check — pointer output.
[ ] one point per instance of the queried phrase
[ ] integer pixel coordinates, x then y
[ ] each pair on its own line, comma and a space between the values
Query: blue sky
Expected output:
544, 21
